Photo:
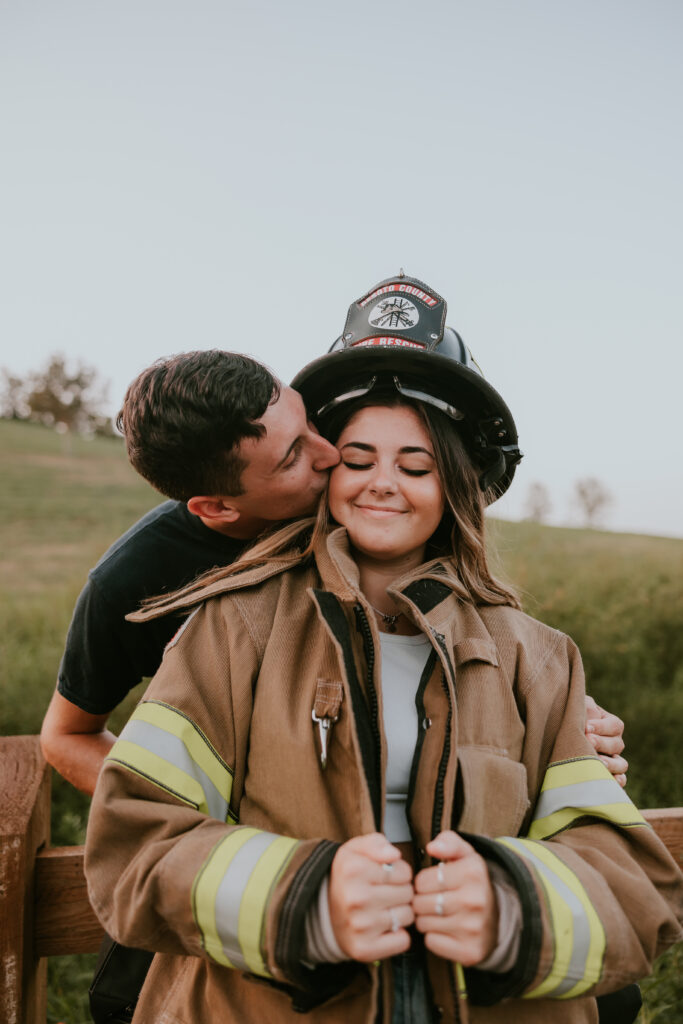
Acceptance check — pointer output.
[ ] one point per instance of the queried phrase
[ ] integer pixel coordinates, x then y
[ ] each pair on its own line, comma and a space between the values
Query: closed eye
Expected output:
368, 465
294, 456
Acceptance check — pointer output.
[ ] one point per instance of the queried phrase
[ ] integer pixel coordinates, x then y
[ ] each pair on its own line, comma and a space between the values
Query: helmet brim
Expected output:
486, 422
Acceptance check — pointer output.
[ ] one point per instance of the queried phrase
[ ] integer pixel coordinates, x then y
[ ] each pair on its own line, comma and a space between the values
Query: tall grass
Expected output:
620, 597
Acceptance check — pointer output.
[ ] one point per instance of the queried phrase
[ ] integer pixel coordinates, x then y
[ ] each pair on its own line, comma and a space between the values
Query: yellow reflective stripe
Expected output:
255, 898
154, 768
580, 769
205, 890
624, 815
182, 752
231, 892
577, 789
579, 937
198, 745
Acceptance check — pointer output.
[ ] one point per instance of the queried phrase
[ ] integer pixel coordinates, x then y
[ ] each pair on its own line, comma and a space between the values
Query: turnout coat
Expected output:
214, 820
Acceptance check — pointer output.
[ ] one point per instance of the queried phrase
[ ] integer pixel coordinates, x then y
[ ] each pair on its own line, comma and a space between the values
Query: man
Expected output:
232, 447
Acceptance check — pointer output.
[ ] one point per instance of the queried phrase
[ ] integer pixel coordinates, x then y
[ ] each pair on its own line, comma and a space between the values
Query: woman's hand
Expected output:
454, 903
606, 733
370, 896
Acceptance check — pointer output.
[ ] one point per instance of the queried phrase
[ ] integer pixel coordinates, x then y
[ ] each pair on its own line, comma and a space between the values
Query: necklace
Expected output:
388, 619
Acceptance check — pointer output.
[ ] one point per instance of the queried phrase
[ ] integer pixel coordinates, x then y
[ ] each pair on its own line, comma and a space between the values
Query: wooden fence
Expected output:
44, 909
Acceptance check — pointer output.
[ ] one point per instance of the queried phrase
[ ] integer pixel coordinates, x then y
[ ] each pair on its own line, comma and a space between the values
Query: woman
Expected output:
282, 805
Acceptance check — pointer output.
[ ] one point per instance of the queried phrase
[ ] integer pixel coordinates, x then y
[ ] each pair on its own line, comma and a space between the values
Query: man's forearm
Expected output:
81, 757
75, 742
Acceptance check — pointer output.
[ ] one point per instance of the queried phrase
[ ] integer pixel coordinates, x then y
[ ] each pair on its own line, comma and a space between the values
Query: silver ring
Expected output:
395, 924
440, 875
438, 906
388, 868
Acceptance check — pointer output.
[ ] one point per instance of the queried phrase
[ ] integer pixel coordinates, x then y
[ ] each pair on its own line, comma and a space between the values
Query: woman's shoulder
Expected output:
512, 628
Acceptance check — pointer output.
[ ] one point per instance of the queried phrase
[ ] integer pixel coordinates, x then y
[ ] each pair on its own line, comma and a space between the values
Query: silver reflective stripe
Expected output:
575, 969
581, 795
230, 892
172, 749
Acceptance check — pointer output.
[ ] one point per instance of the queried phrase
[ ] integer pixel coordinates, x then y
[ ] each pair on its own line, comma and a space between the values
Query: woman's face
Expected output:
386, 490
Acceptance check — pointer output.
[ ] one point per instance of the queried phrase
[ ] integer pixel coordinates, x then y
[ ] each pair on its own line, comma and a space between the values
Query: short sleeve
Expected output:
105, 656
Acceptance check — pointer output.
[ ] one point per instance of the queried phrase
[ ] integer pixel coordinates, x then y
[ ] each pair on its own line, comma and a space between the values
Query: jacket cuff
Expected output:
485, 988
311, 986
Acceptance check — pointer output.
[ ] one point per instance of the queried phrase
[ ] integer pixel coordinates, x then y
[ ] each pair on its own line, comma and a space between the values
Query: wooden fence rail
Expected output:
44, 909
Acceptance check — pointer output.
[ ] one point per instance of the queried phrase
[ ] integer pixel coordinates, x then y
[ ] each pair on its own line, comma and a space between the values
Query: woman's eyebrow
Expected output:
406, 450
358, 444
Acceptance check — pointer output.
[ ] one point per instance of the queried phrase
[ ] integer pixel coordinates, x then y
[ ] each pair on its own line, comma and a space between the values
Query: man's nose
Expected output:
326, 455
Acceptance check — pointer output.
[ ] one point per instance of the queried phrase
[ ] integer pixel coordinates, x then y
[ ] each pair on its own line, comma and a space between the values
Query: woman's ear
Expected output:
216, 509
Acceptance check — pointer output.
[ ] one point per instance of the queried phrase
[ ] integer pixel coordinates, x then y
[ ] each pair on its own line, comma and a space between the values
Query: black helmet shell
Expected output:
395, 338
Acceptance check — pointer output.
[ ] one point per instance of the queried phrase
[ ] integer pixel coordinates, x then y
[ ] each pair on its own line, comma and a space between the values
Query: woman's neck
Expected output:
375, 578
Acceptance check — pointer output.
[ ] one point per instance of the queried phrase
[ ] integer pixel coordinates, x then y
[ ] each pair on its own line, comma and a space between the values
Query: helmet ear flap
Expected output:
493, 472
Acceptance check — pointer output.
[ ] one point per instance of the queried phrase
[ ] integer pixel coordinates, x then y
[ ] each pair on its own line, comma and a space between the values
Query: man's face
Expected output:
286, 469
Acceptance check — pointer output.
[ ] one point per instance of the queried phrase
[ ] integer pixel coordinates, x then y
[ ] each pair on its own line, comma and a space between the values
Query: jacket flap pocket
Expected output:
474, 648
328, 698
493, 789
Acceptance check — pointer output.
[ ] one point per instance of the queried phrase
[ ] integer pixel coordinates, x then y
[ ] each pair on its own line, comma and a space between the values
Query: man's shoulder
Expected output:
163, 550
160, 519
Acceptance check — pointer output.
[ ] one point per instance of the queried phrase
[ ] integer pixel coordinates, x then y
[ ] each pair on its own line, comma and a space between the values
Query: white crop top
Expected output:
403, 661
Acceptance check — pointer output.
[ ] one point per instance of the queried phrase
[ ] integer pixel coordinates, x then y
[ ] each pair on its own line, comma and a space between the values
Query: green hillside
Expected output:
64, 500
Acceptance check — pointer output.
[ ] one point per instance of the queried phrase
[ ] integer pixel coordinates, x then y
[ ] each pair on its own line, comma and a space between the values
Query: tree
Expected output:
592, 498
538, 505
66, 398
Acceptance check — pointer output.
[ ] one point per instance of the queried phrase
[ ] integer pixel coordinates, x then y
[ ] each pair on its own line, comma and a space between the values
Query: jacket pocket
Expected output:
492, 792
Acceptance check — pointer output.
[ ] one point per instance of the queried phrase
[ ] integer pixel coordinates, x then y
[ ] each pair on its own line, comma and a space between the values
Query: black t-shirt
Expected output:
105, 656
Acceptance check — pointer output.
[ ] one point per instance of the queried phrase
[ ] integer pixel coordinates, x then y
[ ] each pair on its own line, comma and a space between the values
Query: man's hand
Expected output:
370, 895
455, 904
606, 731
75, 742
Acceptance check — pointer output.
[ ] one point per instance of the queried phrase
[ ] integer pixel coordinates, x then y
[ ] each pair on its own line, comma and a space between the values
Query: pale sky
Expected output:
180, 175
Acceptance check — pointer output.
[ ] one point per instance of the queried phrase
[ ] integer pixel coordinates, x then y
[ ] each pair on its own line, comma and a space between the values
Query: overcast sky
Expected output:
180, 175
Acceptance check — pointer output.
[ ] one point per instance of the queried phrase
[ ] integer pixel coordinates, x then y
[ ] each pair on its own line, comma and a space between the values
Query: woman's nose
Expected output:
382, 482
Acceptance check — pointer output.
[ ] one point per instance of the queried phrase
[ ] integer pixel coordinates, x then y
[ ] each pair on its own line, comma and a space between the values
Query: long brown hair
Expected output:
459, 540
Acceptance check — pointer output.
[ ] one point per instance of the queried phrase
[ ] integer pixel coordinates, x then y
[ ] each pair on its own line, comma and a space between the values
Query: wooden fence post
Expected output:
24, 828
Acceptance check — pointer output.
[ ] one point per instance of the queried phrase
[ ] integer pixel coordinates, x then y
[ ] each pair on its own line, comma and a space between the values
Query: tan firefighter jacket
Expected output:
214, 821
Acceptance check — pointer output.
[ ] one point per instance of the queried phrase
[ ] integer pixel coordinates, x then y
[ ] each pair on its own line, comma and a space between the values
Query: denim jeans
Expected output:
412, 999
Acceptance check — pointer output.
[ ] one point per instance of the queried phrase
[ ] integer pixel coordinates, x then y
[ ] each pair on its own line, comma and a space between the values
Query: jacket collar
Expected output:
429, 592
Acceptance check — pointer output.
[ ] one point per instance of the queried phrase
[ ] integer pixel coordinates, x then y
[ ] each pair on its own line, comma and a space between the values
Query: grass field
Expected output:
65, 500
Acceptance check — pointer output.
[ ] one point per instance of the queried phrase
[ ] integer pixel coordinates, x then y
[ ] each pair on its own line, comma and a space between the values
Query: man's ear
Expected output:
216, 510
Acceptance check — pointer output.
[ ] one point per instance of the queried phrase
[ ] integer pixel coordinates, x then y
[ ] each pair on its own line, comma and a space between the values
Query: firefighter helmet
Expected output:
395, 338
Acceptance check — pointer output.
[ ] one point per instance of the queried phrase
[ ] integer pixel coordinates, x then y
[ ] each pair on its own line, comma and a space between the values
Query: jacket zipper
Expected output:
443, 763
439, 794
369, 648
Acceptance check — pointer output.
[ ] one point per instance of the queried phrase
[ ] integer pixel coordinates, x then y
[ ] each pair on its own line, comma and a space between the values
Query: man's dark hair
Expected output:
184, 417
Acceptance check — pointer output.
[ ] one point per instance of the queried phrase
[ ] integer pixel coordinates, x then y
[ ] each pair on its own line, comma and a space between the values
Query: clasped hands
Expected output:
374, 899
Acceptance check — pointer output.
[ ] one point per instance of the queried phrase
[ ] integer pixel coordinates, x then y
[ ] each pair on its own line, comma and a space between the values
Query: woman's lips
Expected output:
380, 510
